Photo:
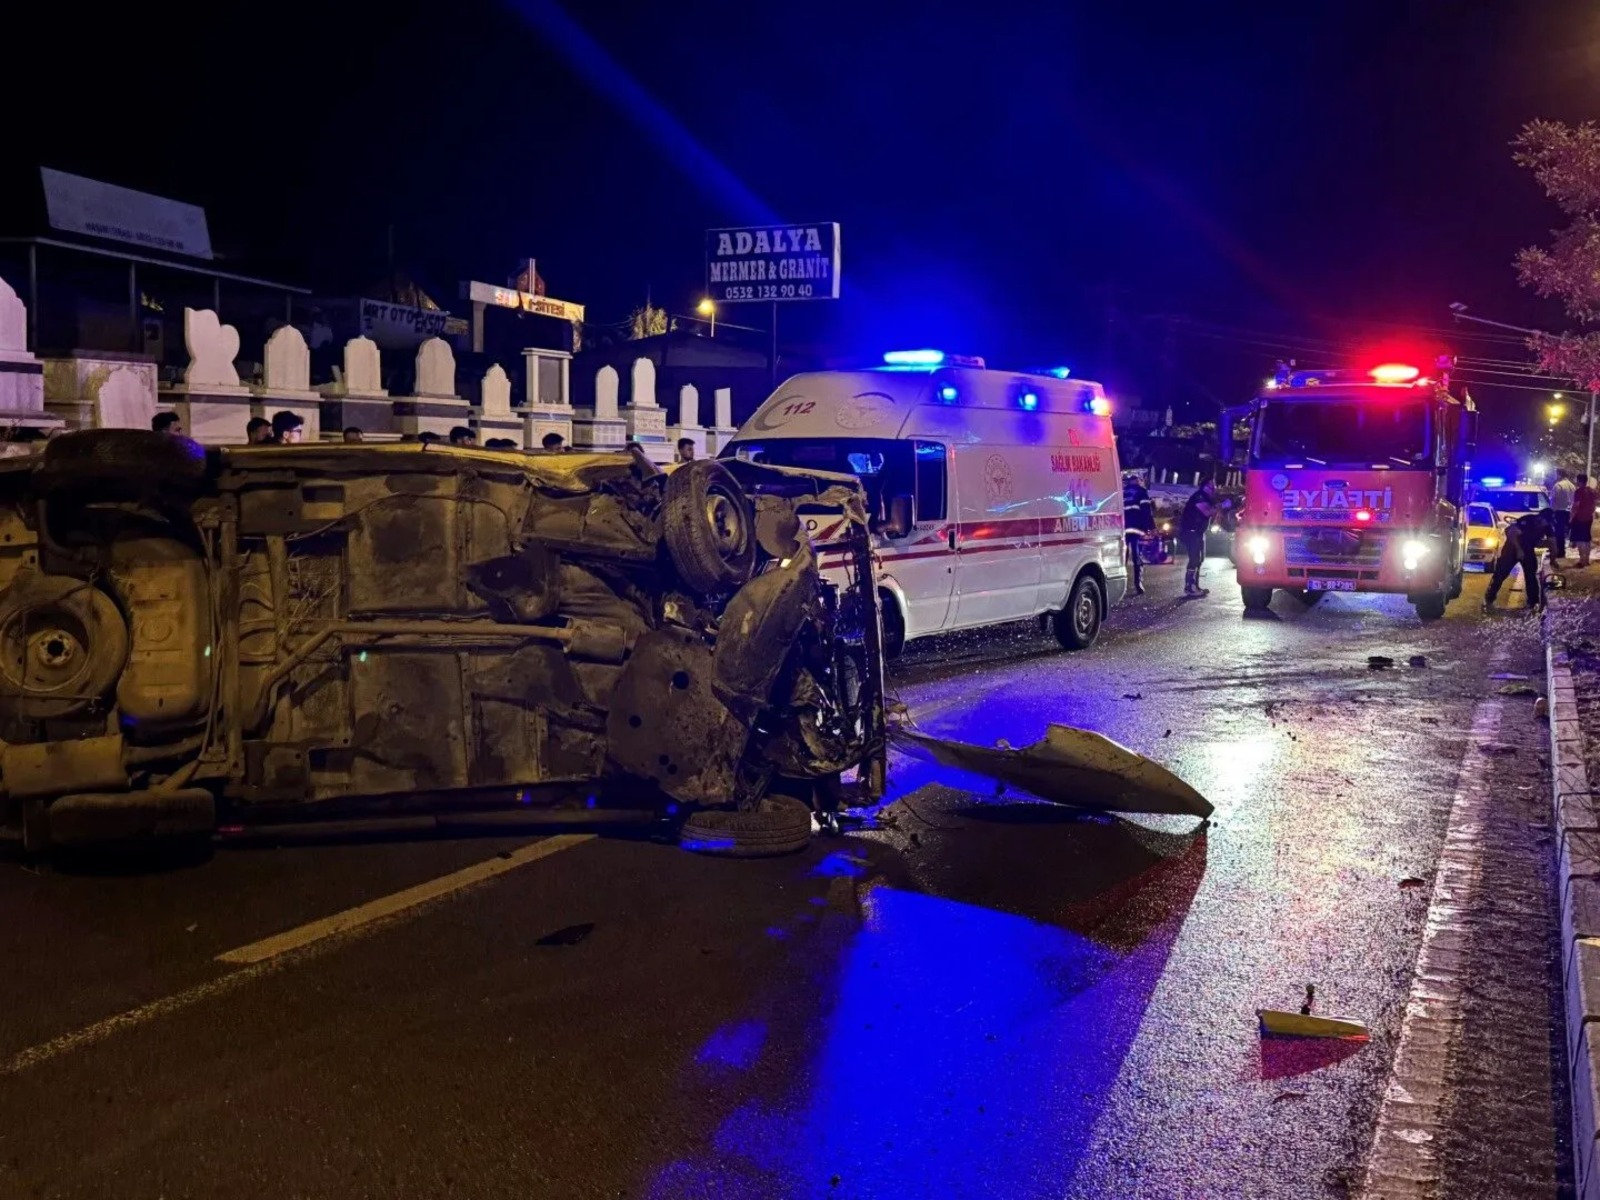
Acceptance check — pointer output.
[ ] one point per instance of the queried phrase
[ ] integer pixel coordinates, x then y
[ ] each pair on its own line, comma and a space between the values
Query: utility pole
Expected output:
1588, 462
774, 345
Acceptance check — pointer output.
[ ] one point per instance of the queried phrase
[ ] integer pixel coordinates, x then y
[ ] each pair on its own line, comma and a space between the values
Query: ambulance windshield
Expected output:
883, 465
1342, 431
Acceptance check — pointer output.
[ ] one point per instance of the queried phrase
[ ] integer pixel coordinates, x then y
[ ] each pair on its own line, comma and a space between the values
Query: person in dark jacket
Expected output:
1138, 519
1520, 547
1197, 514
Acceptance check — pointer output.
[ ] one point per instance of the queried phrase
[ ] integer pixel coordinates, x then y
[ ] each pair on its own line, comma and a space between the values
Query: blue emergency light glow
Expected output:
914, 358
1493, 481
1100, 406
1061, 372
1029, 401
948, 393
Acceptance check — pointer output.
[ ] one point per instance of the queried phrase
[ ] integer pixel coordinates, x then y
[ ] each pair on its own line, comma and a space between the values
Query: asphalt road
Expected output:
976, 997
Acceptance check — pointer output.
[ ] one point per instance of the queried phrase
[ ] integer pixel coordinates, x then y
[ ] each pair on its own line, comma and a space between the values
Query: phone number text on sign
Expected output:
784, 291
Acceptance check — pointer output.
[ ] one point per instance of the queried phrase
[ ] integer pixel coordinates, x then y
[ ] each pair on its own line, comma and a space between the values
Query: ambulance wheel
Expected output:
1077, 626
894, 626
1430, 608
1256, 598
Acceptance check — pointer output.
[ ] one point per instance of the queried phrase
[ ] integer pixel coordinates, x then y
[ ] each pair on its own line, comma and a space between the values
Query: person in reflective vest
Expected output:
1138, 520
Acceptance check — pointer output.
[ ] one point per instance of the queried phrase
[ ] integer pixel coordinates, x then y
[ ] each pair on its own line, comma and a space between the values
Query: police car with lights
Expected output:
997, 495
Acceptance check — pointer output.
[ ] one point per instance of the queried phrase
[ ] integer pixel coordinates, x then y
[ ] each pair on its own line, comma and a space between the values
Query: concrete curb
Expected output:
1578, 880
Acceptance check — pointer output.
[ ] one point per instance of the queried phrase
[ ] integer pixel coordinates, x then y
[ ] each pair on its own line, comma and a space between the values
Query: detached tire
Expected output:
780, 826
121, 464
709, 528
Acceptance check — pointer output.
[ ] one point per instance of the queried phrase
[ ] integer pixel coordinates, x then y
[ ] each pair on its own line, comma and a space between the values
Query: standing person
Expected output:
1561, 505
258, 432
685, 450
287, 427
1138, 520
1520, 548
553, 441
1192, 528
169, 423
1580, 527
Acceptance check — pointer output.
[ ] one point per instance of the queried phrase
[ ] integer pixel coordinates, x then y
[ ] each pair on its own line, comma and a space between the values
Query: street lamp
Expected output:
706, 308
1555, 412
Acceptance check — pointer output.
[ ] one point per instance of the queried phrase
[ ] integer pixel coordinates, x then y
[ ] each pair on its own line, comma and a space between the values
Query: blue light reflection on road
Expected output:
965, 1052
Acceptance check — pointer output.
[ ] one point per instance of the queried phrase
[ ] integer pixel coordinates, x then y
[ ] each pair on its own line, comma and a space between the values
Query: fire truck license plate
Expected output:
1330, 585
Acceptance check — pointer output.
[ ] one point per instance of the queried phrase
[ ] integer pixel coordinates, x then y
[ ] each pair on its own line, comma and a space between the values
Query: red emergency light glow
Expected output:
1395, 373
1363, 514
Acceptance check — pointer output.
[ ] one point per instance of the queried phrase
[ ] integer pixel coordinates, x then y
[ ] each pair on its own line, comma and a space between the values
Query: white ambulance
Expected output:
996, 496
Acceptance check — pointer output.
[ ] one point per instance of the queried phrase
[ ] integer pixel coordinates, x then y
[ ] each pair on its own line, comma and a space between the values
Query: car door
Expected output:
996, 538
922, 564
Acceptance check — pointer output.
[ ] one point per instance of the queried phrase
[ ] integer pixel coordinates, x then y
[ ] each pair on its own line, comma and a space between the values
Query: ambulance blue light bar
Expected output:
1029, 401
1493, 481
929, 358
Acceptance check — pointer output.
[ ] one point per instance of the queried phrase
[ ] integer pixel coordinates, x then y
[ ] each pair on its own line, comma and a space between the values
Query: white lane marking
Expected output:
388, 906
1404, 1162
272, 953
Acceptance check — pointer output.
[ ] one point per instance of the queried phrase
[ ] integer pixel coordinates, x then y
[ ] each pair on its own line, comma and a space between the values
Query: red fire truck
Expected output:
1355, 481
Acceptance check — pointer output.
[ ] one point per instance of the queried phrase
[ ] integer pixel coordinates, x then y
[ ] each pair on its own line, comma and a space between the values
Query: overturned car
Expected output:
270, 635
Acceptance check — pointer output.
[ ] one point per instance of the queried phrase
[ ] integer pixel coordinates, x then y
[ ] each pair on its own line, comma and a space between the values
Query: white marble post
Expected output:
213, 405
688, 425
548, 397
600, 427
492, 416
433, 406
21, 374
722, 428
645, 419
356, 397
286, 382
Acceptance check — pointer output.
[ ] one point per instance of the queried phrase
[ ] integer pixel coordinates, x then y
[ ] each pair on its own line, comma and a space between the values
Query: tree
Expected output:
646, 321
1565, 159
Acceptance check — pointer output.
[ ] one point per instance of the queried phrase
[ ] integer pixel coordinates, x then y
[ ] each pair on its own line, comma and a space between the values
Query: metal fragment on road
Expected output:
1069, 766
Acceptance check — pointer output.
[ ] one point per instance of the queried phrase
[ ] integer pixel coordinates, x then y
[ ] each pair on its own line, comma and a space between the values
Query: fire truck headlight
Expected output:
1412, 552
1258, 549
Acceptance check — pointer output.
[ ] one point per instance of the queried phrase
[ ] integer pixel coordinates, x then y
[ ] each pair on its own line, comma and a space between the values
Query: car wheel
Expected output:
120, 464
780, 825
708, 527
63, 644
1077, 626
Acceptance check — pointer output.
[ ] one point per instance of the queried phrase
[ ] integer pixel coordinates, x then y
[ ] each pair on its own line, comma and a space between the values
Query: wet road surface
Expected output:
978, 997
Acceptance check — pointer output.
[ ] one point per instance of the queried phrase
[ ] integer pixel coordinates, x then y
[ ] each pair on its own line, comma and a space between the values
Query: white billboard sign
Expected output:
74, 204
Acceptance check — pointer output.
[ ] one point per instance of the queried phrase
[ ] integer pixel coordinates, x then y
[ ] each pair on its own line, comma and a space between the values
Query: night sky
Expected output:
1008, 176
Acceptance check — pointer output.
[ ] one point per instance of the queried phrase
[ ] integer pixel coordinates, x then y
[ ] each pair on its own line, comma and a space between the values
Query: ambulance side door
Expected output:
922, 564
